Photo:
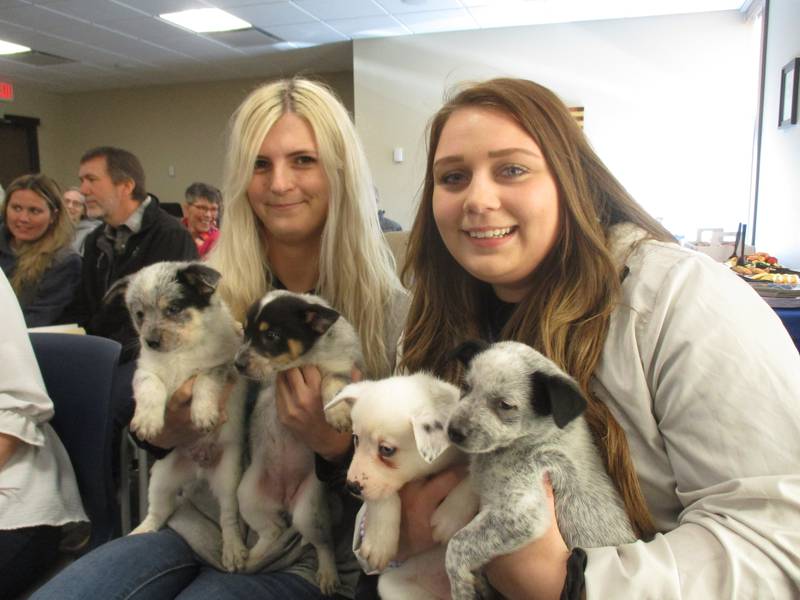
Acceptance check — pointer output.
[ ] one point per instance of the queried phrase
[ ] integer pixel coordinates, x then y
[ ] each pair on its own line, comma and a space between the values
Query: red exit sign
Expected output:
6, 91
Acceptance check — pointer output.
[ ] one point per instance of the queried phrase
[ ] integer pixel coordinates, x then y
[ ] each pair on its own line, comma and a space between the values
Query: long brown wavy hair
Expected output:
34, 258
566, 316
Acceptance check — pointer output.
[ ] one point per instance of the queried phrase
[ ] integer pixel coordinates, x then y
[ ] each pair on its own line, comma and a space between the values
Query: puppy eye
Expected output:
355, 441
173, 309
386, 451
139, 315
271, 334
503, 405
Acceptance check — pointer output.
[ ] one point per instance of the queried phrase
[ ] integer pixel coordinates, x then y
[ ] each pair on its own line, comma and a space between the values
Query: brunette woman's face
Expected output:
28, 215
495, 202
289, 191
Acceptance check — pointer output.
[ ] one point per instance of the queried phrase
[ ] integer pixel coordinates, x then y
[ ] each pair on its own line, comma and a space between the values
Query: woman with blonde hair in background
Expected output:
35, 252
300, 215
523, 234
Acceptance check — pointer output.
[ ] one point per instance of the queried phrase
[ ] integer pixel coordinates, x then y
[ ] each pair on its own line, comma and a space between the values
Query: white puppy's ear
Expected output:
430, 435
429, 424
348, 394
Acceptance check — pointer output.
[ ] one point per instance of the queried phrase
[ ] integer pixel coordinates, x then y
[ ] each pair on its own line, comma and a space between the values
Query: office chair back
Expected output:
78, 371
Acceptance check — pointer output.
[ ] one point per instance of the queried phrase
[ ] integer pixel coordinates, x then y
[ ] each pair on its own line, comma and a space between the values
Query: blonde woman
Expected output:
35, 252
300, 215
523, 234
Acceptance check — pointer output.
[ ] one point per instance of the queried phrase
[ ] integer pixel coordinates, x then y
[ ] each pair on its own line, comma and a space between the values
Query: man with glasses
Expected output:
200, 211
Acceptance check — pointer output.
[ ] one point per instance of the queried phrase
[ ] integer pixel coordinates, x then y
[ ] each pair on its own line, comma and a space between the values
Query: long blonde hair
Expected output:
356, 269
34, 258
566, 316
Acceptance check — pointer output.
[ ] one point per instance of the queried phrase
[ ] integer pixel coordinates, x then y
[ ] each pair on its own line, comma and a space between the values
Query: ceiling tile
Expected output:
266, 16
159, 7
341, 9
399, 7
38, 18
95, 11
369, 27
226, 4
307, 34
169, 36
438, 20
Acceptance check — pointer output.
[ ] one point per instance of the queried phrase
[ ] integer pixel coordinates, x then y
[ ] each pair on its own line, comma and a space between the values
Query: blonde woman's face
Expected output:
289, 191
495, 202
73, 200
28, 216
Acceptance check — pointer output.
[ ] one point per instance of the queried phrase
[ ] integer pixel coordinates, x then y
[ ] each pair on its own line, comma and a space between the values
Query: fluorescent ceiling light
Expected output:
204, 20
9, 48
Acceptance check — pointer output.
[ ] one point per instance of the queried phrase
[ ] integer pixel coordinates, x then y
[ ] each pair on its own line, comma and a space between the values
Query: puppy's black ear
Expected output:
319, 318
556, 395
466, 351
199, 277
116, 293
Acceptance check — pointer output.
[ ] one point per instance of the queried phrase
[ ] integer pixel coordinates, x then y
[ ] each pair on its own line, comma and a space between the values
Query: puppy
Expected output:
399, 436
520, 418
285, 330
186, 330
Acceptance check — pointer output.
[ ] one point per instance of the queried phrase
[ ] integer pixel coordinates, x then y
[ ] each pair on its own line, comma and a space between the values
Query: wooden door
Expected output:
19, 147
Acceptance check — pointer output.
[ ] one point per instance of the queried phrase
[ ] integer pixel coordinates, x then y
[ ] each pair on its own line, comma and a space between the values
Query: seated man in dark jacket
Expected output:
136, 233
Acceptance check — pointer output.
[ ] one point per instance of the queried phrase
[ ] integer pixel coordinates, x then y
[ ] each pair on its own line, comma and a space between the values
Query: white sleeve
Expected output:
724, 380
24, 402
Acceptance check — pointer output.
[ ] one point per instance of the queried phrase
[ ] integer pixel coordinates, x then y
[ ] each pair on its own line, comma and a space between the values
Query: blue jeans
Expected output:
156, 566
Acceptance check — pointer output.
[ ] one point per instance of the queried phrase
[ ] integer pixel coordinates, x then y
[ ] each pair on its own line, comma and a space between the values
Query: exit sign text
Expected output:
6, 91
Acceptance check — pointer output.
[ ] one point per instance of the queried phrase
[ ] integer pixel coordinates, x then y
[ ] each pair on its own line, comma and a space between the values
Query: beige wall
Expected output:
778, 224
49, 109
181, 126
670, 103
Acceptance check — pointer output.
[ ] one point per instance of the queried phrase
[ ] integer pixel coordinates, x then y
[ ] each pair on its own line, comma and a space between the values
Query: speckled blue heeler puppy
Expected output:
519, 418
186, 330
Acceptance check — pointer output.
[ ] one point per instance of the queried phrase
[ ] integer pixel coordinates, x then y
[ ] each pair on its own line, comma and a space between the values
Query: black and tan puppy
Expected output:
285, 330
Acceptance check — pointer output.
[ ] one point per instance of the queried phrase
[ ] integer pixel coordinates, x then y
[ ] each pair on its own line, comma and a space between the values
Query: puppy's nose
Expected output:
354, 488
456, 435
154, 343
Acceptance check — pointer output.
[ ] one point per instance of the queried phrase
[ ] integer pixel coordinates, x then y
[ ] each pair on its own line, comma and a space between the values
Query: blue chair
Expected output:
79, 371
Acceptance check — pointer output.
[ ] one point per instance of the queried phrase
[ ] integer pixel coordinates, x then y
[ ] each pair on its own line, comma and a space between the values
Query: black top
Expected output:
497, 315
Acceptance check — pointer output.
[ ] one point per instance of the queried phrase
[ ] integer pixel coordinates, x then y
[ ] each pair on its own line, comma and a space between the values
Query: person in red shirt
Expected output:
200, 212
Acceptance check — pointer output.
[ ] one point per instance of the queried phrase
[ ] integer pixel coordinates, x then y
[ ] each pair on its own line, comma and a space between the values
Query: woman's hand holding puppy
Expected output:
543, 561
542, 564
420, 499
178, 427
299, 402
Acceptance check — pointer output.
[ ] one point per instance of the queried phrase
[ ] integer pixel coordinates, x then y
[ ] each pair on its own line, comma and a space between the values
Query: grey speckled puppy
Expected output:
521, 417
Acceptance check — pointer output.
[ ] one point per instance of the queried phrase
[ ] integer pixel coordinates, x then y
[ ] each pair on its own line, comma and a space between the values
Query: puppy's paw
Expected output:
450, 517
205, 415
147, 423
338, 417
149, 525
328, 580
445, 524
234, 555
377, 550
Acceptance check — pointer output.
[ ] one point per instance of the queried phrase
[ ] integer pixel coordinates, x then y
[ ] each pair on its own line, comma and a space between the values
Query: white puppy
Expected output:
399, 434
186, 330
